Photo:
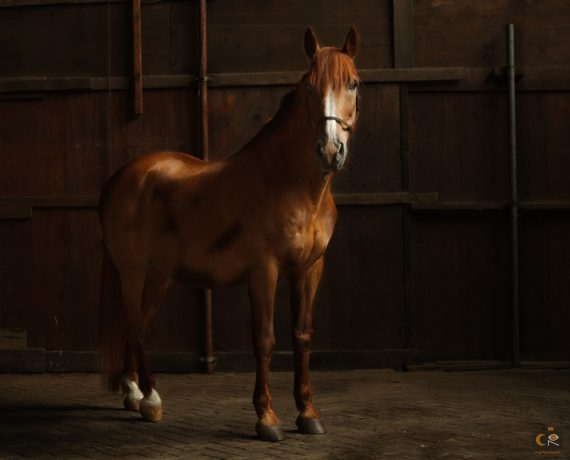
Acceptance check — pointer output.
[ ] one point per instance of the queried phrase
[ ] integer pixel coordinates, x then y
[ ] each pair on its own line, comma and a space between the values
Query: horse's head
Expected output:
332, 96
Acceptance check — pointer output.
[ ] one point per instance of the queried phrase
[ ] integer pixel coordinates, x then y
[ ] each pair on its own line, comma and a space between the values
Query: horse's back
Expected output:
137, 173
128, 193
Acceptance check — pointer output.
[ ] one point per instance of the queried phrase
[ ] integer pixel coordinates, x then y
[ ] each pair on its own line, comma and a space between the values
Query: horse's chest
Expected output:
308, 236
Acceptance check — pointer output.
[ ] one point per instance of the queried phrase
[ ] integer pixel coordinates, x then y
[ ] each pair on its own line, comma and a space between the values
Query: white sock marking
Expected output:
134, 391
153, 399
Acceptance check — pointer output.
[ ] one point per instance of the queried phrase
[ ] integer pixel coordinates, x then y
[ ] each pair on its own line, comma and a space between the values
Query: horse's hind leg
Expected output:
133, 284
155, 287
303, 291
129, 381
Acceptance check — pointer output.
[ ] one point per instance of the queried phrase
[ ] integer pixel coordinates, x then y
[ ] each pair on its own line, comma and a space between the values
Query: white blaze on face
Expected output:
330, 111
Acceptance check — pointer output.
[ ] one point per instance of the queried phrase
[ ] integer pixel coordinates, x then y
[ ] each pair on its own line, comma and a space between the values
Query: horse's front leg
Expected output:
303, 291
262, 285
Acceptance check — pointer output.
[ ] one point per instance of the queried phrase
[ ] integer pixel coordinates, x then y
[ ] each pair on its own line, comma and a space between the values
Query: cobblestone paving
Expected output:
369, 414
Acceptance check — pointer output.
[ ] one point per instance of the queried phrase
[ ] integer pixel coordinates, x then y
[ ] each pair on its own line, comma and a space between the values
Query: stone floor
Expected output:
369, 414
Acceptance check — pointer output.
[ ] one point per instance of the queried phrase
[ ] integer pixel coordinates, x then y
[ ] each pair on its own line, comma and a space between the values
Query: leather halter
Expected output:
346, 126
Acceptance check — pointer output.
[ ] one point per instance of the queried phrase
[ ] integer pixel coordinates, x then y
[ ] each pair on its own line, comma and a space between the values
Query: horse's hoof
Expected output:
310, 426
151, 413
151, 407
132, 404
268, 433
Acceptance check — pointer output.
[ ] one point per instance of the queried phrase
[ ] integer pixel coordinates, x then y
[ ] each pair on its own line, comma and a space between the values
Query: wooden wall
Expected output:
420, 258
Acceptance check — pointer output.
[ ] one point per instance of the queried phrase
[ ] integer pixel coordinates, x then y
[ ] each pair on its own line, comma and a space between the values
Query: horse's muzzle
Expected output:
331, 155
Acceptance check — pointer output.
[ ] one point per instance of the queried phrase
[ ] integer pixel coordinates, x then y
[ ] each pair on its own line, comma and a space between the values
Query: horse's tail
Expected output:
112, 333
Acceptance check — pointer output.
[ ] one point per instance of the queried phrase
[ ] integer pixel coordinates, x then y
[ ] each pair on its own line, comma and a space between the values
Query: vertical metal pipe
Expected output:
208, 359
108, 122
137, 58
513, 196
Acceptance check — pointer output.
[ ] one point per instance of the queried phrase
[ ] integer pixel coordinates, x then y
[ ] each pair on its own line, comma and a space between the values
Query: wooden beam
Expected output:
42, 83
384, 198
26, 3
21, 207
62, 201
137, 58
15, 212
429, 74
460, 206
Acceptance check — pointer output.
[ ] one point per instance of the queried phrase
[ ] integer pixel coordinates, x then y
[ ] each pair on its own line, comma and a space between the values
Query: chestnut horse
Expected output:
261, 215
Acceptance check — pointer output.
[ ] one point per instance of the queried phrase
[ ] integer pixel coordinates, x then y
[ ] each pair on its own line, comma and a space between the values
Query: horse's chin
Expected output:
333, 165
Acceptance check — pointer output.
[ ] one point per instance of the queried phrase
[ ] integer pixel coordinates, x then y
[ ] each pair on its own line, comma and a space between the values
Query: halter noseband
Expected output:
346, 126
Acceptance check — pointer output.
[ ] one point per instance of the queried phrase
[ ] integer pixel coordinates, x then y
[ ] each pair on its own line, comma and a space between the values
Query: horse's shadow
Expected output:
15, 414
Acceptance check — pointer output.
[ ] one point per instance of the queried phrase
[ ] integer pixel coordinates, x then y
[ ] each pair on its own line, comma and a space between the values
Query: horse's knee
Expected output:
303, 339
264, 344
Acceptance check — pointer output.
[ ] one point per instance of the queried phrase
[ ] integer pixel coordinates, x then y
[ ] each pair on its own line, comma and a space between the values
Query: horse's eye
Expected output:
310, 87
353, 85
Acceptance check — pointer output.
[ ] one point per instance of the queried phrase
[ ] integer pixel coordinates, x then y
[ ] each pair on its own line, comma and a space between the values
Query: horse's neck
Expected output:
288, 153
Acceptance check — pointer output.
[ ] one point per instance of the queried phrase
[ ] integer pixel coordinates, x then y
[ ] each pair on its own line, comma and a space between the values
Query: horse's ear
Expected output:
351, 43
311, 43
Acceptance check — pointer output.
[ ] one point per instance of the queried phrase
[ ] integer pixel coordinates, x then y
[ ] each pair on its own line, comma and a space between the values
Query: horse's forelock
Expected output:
331, 67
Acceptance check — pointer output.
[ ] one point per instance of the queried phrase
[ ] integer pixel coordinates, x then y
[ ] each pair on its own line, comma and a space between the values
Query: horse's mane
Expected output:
273, 124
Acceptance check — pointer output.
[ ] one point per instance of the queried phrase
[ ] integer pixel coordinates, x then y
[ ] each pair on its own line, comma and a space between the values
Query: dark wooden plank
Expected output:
457, 146
31, 151
545, 294
461, 286
15, 212
263, 38
543, 147
478, 30
403, 20
77, 32
359, 305
403, 33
